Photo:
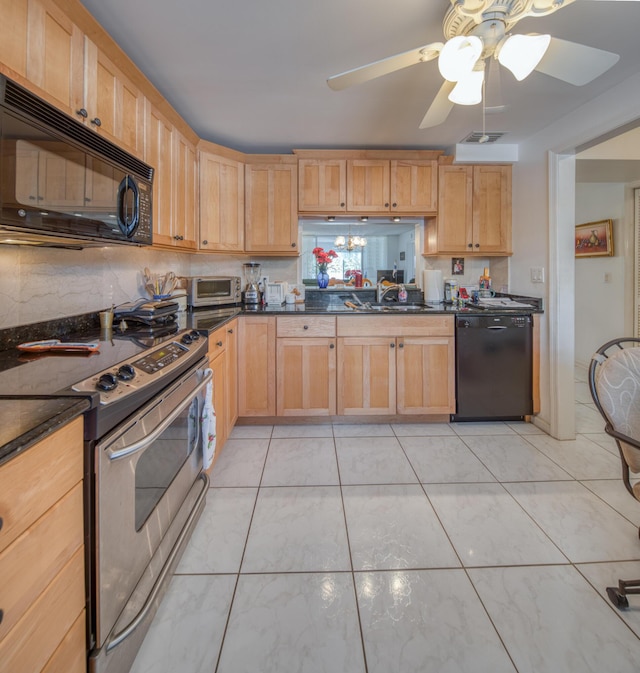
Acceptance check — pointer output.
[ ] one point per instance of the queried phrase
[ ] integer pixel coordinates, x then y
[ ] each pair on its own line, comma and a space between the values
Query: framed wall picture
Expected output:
457, 266
594, 239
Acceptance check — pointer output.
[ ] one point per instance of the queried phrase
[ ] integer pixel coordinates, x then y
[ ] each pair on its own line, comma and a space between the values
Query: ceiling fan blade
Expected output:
384, 66
440, 108
575, 63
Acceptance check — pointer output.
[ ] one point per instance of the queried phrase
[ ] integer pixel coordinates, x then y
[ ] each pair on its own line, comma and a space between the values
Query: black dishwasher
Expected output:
493, 367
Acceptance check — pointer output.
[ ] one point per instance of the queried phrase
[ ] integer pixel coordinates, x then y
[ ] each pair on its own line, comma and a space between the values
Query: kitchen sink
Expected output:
393, 308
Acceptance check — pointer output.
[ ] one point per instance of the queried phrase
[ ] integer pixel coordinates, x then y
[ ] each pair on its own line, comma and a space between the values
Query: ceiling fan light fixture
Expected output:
522, 53
458, 56
468, 90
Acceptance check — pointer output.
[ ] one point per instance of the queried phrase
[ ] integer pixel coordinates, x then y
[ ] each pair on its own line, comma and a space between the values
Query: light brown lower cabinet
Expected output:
42, 593
409, 371
223, 362
257, 366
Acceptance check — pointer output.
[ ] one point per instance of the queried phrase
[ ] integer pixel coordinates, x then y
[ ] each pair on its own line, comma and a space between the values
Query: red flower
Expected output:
323, 258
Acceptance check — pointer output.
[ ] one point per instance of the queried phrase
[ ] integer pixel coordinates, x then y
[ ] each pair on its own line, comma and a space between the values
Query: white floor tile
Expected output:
251, 432
187, 630
603, 575
362, 430
552, 621
583, 393
604, 440
428, 621
613, 492
373, 460
293, 624
580, 457
395, 527
440, 460
583, 526
297, 529
240, 463
488, 527
422, 429
523, 428
482, 428
303, 430
301, 462
588, 419
218, 540
512, 458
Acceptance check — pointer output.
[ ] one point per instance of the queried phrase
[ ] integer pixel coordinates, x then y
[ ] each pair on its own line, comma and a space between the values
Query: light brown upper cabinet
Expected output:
474, 211
221, 203
175, 182
113, 104
322, 185
271, 206
368, 182
48, 51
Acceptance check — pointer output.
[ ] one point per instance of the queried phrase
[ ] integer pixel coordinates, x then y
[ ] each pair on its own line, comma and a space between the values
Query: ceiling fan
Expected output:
477, 31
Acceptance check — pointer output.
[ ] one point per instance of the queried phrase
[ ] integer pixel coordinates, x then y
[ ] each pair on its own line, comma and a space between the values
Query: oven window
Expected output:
162, 461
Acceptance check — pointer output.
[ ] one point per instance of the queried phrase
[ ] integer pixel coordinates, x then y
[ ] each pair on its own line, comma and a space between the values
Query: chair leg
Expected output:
618, 595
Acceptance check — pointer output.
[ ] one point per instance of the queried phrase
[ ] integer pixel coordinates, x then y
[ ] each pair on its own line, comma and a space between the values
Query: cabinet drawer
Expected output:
395, 325
31, 483
217, 342
316, 326
70, 656
32, 641
38, 555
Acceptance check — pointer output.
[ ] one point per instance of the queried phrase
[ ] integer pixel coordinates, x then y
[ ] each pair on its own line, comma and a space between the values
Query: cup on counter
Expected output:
106, 319
485, 293
290, 298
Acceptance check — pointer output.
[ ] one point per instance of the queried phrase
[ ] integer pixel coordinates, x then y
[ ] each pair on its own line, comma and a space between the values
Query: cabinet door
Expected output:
322, 185
115, 106
159, 148
367, 383
414, 186
14, 36
367, 185
492, 209
55, 52
455, 214
185, 189
426, 379
257, 366
221, 204
219, 367
232, 374
271, 215
306, 384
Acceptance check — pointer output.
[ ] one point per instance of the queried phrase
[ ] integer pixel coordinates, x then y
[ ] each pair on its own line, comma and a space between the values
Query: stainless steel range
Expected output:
144, 484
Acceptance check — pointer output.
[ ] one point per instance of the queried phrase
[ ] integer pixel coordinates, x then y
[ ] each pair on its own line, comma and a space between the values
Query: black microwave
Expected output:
64, 185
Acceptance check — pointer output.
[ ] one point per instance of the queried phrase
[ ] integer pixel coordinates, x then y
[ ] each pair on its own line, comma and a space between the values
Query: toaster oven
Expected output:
213, 290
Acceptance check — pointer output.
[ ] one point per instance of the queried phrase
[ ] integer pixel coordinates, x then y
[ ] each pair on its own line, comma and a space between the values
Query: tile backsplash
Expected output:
38, 284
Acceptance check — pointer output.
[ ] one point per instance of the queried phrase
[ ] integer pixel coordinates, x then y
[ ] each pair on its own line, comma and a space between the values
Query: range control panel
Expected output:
134, 374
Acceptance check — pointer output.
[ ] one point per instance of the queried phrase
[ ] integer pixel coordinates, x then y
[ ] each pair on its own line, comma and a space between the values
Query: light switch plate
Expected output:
537, 274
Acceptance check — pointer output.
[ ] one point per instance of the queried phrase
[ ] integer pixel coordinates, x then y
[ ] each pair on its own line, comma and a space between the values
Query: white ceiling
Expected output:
250, 74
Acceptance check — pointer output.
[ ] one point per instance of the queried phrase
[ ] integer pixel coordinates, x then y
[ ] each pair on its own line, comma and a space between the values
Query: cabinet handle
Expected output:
477, 245
470, 245
386, 205
305, 327
229, 331
82, 112
293, 245
1, 523
1, 616
178, 238
219, 343
401, 345
395, 205
342, 205
392, 345
332, 346
205, 242
96, 121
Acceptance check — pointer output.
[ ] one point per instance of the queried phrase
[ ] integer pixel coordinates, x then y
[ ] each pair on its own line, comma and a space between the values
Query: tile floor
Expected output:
429, 548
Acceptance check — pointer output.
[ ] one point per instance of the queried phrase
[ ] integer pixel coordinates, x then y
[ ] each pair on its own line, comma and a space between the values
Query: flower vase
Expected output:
323, 279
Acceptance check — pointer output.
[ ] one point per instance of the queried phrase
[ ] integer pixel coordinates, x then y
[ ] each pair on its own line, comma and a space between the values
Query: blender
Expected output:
251, 271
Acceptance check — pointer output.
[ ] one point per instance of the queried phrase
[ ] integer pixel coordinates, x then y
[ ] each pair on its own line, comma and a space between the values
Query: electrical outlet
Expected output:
537, 274
607, 277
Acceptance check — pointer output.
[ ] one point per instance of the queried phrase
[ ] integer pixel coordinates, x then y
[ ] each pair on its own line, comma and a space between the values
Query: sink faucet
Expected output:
383, 289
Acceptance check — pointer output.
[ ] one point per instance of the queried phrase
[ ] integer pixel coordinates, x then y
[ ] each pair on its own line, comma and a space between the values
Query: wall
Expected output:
600, 307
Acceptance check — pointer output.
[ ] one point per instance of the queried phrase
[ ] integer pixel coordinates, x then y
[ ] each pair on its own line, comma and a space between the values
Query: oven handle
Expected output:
159, 429
148, 604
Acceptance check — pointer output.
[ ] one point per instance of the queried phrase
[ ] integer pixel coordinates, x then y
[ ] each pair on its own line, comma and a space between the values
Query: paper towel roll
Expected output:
432, 284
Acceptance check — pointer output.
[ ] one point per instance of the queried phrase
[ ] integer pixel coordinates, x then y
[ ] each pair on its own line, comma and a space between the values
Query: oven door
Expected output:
149, 491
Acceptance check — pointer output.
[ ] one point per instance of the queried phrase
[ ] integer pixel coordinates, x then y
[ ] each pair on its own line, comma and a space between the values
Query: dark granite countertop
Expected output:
25, 421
